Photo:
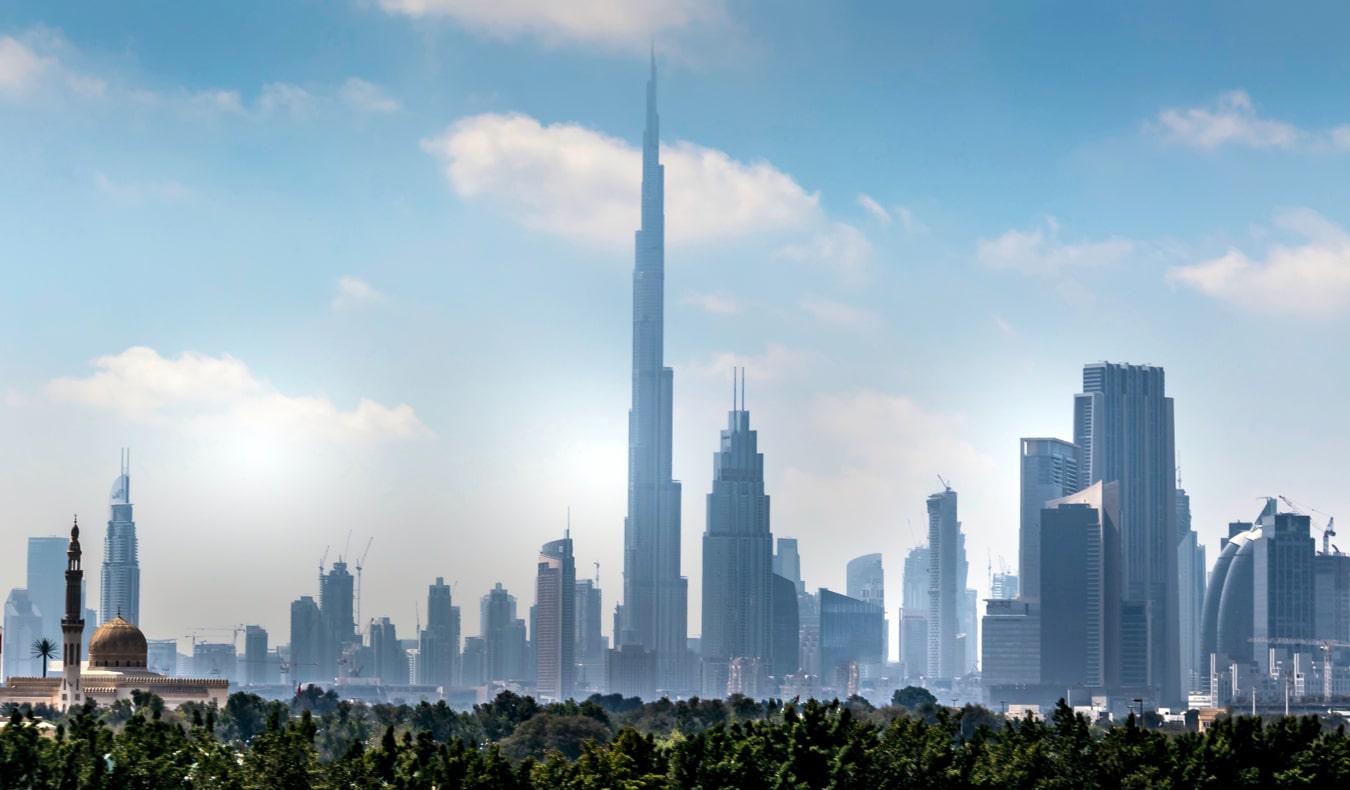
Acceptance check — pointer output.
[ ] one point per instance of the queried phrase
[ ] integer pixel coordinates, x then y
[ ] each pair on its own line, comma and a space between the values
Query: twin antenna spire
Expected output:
735, 404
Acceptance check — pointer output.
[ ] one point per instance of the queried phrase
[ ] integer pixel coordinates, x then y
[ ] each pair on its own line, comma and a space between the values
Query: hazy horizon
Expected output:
366, 270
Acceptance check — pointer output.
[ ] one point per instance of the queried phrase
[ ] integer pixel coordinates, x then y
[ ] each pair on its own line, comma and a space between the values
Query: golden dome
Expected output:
118, 644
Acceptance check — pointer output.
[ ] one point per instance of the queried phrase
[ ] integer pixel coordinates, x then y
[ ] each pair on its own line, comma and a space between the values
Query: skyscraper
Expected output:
506, 653
336, 603
255, 655
1190, 597
1080, 601
391, 662
1049, 471
655, 596
307, 639
865, 579
121, 577
788, 563
914, 614
555, 600
23, 626
1123, 427
46, 584
946, 586
438, 646
737, 552
590, 643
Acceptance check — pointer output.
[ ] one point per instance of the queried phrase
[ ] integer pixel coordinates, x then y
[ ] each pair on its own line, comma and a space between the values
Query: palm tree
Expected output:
44, 649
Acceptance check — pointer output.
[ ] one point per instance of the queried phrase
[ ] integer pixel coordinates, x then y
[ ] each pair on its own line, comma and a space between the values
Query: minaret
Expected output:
655, 596
72, 626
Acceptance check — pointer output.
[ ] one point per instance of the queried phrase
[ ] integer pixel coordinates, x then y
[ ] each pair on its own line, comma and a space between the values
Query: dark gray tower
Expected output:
655, 596
121, 574
1122, 424
737, 551
438, 662
1049, 471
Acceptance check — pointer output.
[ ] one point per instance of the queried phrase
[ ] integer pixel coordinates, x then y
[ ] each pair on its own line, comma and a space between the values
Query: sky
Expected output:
355, 270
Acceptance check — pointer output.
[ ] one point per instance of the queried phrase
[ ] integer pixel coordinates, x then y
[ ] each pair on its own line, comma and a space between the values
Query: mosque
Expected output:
117, 661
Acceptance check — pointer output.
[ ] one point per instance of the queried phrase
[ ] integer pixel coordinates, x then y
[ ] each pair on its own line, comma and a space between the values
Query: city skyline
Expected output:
253, 433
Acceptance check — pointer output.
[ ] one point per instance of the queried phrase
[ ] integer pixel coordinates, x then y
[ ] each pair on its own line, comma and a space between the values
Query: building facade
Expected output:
555, 600
1123, 426
655, 595
120, 579
946, 587
1049, 471
737, 556
438, 644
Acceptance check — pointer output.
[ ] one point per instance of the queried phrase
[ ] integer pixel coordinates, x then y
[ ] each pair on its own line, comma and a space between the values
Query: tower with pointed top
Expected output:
655, 596
120, 580
737, 556
72, 625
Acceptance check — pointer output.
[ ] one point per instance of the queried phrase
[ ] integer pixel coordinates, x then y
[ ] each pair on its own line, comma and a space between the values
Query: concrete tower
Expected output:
654, 616
72, 625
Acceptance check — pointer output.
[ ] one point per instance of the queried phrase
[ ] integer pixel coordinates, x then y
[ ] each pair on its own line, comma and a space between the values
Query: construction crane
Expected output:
1328, 532
233, 629
322, 561
361, 563
945, 484
1327, 646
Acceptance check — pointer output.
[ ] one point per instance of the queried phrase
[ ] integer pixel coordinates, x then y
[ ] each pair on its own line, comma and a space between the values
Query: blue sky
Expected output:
332, 267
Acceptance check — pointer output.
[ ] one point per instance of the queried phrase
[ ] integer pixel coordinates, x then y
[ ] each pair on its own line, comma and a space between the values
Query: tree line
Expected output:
320, 741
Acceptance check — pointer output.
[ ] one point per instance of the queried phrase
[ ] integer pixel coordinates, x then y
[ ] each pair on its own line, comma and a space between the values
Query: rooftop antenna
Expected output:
733, 388
597, 574
742, 389
567, 533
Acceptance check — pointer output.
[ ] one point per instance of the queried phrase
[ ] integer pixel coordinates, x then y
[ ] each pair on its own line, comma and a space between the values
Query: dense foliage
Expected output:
319, 741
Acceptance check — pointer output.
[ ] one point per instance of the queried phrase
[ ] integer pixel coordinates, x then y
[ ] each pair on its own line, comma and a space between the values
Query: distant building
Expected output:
1050, 470
914, 614
555, 596
737, 556
1012, 644
1080, 590
438, 645
473, 662
121, 575
1123, 427
865, 579
23, 626
215, 660
632, 672
786, 628
47, 583
308, 634
591, 646
162, 656
1331, 591
337, 605
654, 613
1191, 569
851, 635
391, 662
256, 655
1004, 586
788, 563
946, 586
504, 638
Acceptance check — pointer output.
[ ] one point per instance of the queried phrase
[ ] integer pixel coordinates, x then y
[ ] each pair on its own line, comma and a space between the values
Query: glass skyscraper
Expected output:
654, 616
120, 579
1124, 430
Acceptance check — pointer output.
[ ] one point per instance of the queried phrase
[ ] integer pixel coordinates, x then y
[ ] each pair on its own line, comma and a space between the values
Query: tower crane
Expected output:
361, 563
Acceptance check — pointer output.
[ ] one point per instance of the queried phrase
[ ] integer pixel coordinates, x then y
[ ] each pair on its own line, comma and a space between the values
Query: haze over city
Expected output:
365, 270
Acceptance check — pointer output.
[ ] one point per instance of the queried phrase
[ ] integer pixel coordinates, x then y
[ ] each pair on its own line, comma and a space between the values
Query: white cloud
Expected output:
840, 246
841, 315
1004, 327
353, 292
877, 455
20, 67
575, 182
909, 222
278, 96
1232, 119
1040, 252
1312, 278
366, 96
874, 208
615, 24
220, 394
15, 399
137, 192
777, 363
715, 302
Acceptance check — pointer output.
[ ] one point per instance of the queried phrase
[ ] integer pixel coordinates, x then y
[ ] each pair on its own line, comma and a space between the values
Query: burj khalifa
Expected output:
655, 597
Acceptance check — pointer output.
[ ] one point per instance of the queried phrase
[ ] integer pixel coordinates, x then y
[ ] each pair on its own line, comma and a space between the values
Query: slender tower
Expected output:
655, 596
72, 625
120, 585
